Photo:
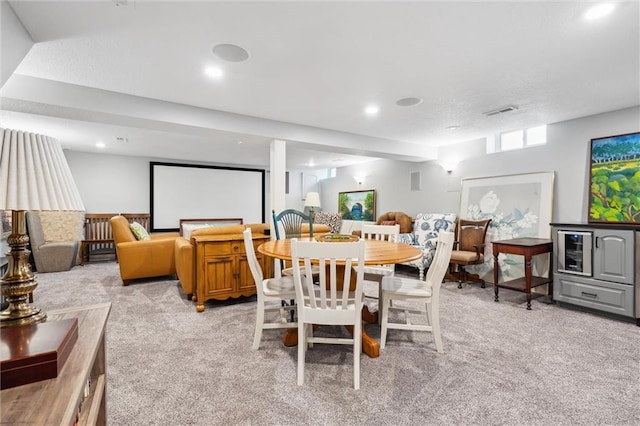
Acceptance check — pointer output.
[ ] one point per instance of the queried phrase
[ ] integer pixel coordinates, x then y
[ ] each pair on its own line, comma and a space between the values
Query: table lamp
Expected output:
312, 200
34, 175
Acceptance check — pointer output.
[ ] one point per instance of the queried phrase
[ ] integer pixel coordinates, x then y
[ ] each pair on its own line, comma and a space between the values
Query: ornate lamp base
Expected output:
19, 282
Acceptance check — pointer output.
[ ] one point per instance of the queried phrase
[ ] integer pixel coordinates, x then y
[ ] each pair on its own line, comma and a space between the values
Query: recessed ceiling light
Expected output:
214, 72
371, 110
455, 127
101, 144
311, 163
239, 142
409, 102
598, 11
230, 52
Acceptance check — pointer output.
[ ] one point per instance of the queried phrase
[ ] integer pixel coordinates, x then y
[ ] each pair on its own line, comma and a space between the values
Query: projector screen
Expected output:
188, 191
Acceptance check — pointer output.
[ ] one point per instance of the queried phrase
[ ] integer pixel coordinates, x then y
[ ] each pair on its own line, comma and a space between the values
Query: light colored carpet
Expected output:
503, 365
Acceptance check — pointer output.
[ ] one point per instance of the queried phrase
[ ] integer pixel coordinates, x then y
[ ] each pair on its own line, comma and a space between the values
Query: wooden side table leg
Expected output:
528, 278
496, 273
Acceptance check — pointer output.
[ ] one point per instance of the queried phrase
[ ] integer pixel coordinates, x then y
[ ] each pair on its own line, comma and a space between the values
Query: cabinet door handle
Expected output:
597, 242
236, 247
584, 293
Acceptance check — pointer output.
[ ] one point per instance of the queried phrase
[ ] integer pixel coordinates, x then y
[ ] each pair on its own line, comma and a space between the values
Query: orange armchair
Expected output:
142, 259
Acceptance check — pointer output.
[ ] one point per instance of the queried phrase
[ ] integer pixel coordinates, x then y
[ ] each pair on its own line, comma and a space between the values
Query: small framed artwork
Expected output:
614, 181
357, 205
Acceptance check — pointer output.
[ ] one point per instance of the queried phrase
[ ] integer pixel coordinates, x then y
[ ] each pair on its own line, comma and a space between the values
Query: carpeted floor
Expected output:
503, 365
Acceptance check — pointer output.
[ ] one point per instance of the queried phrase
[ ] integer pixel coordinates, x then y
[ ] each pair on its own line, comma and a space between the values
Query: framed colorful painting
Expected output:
519, 206
614, 183
357, 205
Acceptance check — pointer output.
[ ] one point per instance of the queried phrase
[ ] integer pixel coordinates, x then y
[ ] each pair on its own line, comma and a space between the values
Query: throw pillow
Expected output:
139, 231
388, 222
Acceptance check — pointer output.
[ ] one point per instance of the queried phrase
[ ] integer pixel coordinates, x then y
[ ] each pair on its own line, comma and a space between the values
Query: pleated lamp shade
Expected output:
34, 174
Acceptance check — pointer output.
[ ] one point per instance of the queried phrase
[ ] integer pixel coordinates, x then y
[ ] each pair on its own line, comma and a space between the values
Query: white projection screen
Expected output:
188, 191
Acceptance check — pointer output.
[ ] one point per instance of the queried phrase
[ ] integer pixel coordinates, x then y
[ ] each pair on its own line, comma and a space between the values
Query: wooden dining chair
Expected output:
332, 301
380, 233
415, 290
268, 290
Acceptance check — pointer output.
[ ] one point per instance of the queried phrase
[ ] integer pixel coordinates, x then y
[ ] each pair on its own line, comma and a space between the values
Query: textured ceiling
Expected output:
136, 71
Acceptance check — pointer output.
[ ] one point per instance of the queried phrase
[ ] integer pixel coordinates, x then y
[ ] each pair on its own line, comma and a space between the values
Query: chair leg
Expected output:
257, 335
461, 273
434, 320
302, 344
357, 351
384, 303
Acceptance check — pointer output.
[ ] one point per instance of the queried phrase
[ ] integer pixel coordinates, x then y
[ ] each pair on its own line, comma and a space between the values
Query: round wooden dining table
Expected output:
376, 252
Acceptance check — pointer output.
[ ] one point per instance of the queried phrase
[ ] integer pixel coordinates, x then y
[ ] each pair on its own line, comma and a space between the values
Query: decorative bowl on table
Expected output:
336, 238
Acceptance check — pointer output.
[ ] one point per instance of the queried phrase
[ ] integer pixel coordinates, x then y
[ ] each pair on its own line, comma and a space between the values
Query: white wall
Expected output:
15, 42
119, 184
109, 183
566, 153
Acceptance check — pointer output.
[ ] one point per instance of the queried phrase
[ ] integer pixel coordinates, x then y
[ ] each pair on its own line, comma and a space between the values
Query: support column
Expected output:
277, 202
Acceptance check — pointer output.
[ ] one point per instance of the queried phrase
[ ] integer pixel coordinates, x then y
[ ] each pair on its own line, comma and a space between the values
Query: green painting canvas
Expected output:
615, 179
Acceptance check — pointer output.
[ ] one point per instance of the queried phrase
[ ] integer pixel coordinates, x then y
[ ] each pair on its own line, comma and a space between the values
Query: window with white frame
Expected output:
517, 139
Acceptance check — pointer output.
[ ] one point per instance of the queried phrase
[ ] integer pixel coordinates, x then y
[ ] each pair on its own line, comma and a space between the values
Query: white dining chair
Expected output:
414, 290
268, 290
384, 233
327, 303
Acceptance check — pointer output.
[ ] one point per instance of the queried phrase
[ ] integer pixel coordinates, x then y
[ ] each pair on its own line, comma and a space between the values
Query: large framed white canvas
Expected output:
518, 206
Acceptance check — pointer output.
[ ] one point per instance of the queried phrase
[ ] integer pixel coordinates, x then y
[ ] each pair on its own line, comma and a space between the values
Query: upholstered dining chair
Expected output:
268, 290
415, 290
469, 249
331, 301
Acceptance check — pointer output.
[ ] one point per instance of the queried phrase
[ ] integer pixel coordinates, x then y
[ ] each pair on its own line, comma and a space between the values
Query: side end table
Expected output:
527, 247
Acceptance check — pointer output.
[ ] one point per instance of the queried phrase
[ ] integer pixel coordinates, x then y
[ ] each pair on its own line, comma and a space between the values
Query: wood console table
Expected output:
57, 401
221, 269
527, 247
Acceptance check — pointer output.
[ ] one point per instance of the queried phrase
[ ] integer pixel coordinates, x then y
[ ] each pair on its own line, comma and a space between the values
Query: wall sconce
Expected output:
359, 179
449, 165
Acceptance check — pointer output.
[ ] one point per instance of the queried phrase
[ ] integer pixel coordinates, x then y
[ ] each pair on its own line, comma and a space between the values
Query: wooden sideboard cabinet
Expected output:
62, 401
221, 269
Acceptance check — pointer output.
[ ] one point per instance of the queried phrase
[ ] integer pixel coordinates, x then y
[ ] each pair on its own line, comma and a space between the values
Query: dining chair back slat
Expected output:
331, 300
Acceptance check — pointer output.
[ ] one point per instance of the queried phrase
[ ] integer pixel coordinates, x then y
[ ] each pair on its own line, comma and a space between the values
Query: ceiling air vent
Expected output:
120, 139
500, 111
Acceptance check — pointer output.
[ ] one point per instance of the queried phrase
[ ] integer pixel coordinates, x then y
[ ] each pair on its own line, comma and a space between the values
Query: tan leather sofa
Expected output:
142, 259
400, 218
184, 247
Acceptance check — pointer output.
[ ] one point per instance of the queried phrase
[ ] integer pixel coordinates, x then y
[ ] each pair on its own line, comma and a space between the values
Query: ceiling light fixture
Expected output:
230, 52
371, 110
101, 144
598, 11
408, 102
455, 127
214, 72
